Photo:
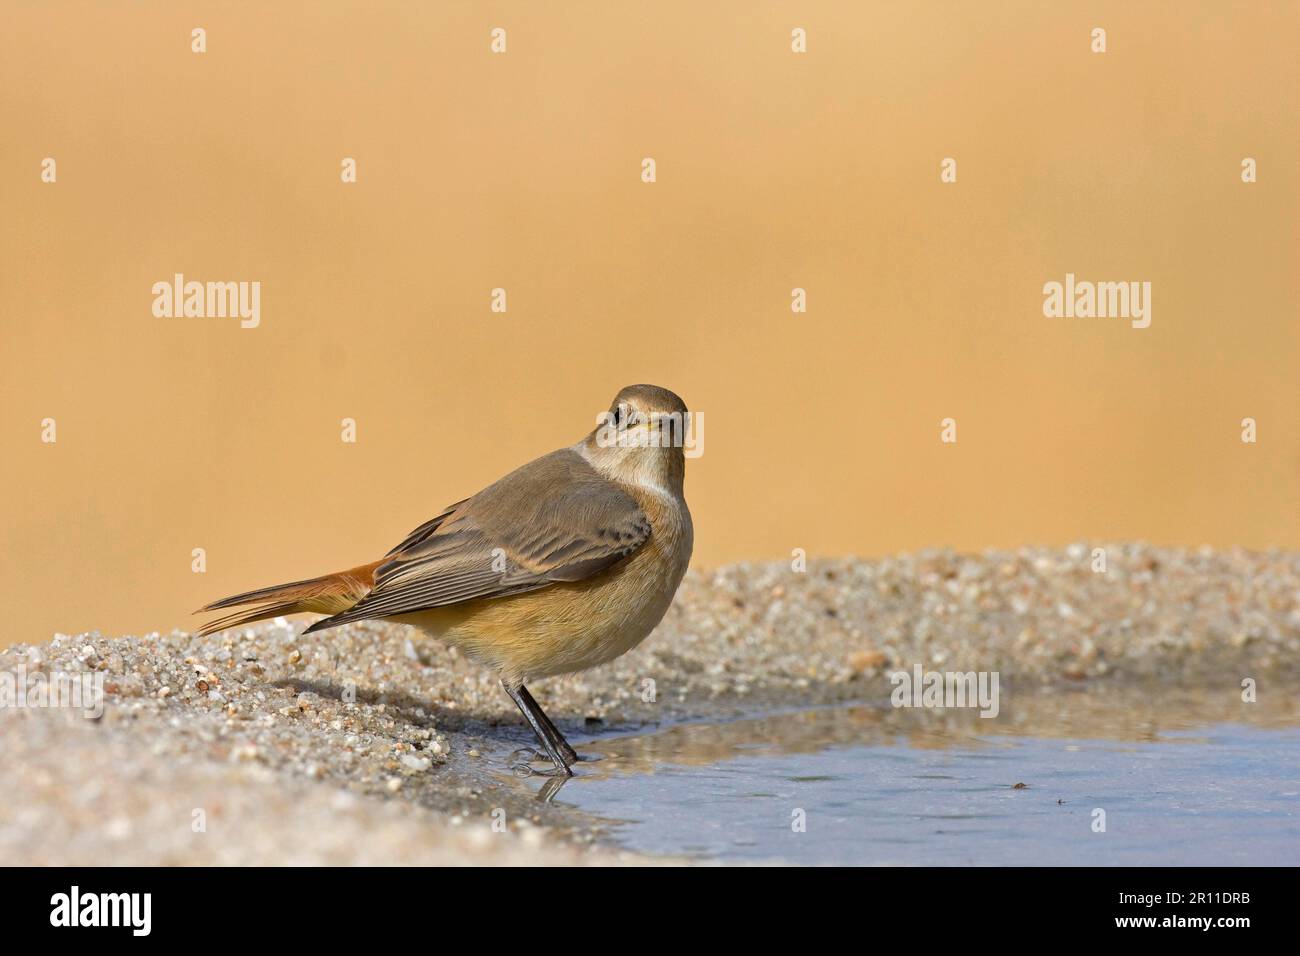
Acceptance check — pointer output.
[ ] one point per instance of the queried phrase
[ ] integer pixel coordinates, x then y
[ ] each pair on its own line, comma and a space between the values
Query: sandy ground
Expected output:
366, 745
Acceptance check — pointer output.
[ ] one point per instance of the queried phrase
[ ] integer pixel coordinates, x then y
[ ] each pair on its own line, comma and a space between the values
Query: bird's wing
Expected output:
555, 519
426, 530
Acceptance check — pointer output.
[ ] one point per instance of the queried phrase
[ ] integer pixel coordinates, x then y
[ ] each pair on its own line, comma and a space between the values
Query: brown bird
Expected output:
565, 563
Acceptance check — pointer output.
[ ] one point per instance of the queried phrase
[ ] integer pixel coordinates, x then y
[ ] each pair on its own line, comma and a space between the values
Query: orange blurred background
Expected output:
521, 170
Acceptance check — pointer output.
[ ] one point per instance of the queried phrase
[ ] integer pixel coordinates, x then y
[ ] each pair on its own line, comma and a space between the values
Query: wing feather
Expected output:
555, 519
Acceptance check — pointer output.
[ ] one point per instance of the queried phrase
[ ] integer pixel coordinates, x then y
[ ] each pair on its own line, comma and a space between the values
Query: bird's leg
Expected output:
570, 755
551, 787
550, 738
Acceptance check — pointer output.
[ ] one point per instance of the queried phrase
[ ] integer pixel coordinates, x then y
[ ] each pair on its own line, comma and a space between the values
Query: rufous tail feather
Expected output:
327, 594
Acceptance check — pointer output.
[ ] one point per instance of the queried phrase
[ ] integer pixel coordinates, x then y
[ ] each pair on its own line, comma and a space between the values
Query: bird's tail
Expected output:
328, 594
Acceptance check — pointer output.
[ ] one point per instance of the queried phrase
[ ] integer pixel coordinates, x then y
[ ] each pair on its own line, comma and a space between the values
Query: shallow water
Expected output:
877, 786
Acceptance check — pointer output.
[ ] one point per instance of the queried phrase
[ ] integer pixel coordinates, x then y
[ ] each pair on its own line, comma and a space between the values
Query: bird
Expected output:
565, 563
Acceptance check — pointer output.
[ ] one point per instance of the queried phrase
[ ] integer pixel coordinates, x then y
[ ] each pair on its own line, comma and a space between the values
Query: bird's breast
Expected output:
573, 626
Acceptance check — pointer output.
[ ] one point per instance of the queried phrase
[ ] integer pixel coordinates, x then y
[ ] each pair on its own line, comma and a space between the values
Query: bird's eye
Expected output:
618, 415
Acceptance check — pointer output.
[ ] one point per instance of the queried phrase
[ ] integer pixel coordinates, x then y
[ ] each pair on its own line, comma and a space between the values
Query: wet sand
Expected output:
366, 745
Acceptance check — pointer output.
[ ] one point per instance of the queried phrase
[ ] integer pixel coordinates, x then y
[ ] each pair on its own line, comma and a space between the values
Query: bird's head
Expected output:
640, 438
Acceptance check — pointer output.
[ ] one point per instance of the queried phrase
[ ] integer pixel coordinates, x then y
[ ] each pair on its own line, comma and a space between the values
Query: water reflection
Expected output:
1187, 775
1134, 713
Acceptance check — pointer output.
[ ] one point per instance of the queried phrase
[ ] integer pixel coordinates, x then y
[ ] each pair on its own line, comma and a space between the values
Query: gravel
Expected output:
367, 745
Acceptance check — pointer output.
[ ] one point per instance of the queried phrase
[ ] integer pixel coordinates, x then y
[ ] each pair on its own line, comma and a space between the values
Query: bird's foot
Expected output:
526, 770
